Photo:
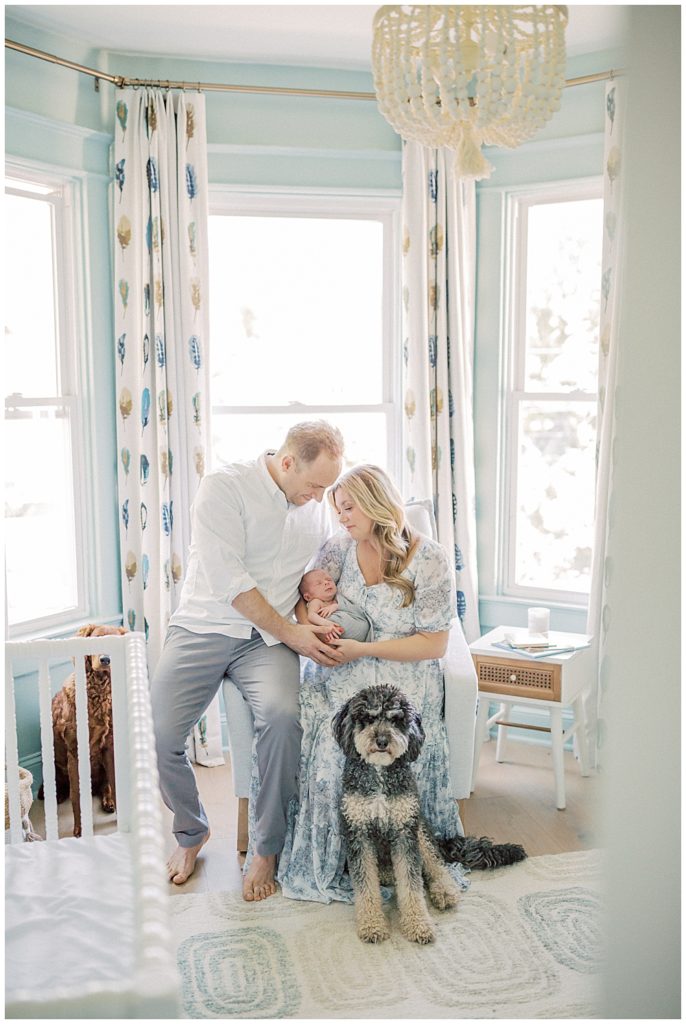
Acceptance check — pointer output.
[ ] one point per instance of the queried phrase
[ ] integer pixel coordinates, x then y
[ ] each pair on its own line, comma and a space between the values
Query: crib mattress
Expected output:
69, 922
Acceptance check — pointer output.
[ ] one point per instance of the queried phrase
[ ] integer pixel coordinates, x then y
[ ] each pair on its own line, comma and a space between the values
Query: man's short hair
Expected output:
306, 441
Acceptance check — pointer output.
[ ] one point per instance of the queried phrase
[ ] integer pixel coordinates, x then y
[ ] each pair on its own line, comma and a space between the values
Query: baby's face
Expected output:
319, 584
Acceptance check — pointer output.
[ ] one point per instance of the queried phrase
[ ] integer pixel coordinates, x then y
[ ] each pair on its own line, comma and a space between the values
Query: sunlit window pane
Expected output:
564, 253
237, 437
40, 539
296, 310
555, 495
30, 301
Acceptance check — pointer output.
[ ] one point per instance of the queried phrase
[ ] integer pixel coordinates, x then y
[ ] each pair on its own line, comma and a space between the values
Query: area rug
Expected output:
524, 942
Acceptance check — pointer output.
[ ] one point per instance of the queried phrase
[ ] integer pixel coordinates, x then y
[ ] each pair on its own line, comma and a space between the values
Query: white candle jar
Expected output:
539, 621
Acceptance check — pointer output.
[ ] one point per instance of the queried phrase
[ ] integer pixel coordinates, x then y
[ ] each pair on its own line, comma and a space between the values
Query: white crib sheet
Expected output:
69, 916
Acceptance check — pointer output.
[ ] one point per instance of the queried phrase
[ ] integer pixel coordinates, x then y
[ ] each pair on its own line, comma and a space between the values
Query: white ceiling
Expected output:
327, 35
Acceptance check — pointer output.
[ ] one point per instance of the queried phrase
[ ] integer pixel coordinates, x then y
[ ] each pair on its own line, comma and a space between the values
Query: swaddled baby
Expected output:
325, 605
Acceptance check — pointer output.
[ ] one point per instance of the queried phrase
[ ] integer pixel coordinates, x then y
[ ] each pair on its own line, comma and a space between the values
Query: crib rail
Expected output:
39, 655
152, 991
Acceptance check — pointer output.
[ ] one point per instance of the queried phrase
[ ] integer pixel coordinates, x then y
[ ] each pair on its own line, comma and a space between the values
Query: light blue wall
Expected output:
305, 143
569, 147
52, 128
54, 115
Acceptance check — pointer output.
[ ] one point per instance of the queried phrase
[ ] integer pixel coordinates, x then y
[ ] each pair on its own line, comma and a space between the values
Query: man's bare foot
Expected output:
259, 881
181, 864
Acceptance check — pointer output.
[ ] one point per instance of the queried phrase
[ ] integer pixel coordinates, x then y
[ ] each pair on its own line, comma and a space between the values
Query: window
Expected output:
555, 271
43, 544
302, 322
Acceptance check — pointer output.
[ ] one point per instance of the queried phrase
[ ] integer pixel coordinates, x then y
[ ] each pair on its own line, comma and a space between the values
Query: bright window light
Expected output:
43, 581
552, 409
299, 329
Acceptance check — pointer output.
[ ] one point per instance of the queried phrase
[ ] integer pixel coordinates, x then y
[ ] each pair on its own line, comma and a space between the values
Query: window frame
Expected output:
66, 203
342, 204
517, 203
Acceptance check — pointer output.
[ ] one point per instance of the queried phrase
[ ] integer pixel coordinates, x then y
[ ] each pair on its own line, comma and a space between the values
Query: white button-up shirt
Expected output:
245, 534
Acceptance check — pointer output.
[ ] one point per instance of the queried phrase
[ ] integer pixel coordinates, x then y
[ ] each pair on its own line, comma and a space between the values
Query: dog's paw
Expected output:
418, 931
374, 931
77, 831
443, 898
108, 806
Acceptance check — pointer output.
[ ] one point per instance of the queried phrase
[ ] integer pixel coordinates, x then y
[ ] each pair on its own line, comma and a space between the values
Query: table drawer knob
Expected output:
513, 677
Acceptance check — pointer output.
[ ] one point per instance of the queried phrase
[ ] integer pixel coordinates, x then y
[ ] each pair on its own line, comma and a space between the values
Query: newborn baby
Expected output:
325, 606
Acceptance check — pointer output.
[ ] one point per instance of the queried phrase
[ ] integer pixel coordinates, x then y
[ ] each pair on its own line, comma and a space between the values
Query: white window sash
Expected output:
63, 193
336, 205
517, 204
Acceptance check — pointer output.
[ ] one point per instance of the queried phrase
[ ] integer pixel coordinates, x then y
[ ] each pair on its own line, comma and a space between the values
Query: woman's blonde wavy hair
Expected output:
376, 495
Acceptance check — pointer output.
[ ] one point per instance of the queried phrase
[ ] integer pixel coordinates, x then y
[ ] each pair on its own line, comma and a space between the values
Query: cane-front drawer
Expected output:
517, 678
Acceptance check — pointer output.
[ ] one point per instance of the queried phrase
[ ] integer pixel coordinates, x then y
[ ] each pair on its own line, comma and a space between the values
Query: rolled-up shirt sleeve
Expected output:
219, 538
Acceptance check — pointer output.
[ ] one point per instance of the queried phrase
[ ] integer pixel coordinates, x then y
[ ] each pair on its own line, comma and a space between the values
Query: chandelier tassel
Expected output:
469, 159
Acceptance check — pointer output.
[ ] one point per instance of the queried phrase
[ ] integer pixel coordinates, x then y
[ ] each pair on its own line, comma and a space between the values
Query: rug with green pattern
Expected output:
524, 942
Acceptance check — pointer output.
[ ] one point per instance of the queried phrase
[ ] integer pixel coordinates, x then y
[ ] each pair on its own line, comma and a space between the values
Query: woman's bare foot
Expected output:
259, 883
181, 864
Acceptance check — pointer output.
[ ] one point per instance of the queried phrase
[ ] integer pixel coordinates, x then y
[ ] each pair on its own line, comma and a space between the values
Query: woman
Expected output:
402, 581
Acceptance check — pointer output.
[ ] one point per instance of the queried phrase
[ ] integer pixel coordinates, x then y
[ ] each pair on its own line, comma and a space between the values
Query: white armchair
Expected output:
461, 695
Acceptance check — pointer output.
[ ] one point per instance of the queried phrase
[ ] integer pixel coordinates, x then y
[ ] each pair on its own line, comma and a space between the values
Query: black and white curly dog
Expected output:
387, 840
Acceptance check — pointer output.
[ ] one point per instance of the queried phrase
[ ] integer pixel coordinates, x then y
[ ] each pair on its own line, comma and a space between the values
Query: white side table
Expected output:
551, 684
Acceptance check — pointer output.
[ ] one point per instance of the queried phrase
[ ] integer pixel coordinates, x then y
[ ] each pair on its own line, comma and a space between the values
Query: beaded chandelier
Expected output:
464, 77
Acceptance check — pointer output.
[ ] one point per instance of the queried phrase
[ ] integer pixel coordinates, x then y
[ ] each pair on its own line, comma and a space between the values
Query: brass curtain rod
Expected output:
121, 81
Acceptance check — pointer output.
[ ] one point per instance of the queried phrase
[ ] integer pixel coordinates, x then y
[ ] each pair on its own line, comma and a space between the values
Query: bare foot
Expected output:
259, 881
181, 864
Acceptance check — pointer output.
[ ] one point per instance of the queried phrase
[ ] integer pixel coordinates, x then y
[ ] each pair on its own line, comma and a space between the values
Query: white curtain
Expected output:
598, 611
439, 261
161, 340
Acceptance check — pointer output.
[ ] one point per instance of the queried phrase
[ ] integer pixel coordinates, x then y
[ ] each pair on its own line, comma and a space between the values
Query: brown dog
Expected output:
101, 743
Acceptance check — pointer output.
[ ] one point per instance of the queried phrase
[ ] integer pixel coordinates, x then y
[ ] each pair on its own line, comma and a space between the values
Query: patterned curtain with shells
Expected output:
439, 272
599, 612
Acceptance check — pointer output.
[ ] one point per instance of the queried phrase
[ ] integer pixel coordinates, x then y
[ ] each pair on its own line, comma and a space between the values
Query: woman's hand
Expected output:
419, 646
349, 650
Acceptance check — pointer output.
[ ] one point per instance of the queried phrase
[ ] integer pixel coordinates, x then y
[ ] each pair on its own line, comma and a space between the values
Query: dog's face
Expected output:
96, 663
380, 725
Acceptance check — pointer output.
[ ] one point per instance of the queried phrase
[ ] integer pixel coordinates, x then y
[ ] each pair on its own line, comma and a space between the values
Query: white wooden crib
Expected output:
87, 929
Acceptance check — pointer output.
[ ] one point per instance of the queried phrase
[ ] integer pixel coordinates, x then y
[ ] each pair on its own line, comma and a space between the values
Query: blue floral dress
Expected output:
312, 864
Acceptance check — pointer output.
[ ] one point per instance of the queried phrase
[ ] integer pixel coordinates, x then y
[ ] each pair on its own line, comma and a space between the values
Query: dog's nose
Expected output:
104, 659
382, 742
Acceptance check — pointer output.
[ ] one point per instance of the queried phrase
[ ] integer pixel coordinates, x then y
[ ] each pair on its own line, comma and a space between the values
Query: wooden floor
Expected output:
513, 801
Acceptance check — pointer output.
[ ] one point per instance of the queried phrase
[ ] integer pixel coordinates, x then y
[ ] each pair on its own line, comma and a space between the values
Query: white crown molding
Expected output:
300, 152
303, 190
27, 118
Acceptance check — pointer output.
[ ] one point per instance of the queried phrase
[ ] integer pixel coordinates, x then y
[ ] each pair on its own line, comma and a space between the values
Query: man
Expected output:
254, 528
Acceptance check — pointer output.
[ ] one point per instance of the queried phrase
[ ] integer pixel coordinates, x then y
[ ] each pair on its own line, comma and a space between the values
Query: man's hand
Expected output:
304, 640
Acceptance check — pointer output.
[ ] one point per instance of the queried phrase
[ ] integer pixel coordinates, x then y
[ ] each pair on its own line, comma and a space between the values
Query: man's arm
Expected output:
302, 639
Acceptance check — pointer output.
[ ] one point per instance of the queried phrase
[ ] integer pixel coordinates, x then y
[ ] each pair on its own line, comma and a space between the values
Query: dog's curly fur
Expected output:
101, 741
387, 839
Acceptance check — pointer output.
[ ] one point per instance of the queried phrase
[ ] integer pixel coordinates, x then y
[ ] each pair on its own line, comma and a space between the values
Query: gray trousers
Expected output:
188, 675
